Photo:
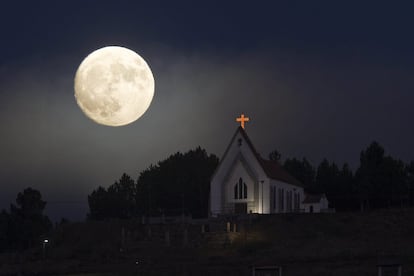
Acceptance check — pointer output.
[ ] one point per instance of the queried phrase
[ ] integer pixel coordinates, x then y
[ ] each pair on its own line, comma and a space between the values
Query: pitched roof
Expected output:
272, 169
275, 171
315, 198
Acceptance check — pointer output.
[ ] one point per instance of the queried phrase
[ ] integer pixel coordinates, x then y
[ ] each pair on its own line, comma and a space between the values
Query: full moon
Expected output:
114, 86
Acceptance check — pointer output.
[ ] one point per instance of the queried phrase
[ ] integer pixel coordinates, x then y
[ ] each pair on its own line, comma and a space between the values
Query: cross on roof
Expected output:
242, 120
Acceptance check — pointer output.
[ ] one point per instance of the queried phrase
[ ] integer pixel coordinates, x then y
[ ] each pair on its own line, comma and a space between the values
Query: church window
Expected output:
236, 191
281, 200
296, 201
271, 196
289, 201
240, 190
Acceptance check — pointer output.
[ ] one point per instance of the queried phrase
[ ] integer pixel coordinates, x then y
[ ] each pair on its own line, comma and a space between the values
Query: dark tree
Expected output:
368, 173
326, 178
98, 204
180, 183
116, 202
394, 186
337, 184
410, 182
275, 155
302, 170
382, 180
346, 191
27, 222
4, 230
123, 194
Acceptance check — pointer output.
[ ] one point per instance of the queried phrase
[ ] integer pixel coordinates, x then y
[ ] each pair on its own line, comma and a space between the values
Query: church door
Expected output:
240, 208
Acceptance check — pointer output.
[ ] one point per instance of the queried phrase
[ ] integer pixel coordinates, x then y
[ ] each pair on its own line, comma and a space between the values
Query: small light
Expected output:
46, 241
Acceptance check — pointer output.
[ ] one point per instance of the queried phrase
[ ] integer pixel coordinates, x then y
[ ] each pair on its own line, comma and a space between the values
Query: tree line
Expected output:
176, 185
380, 181
181, 184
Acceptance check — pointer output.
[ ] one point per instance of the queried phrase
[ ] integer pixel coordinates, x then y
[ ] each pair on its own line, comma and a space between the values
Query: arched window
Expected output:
281, 200
236, 191
274, 197
240, 190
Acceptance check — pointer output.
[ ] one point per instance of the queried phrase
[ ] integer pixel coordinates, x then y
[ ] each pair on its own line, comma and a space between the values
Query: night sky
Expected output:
316, 79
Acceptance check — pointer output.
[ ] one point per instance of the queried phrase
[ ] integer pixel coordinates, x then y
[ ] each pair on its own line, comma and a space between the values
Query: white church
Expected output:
246, 183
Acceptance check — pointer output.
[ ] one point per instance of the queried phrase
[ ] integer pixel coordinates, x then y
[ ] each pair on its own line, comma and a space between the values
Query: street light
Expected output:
45, 242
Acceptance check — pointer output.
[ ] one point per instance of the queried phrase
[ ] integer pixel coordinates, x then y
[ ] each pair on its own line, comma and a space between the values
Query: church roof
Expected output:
272, 169
275, 171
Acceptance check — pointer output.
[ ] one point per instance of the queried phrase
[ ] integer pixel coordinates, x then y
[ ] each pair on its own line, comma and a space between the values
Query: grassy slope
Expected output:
311, 244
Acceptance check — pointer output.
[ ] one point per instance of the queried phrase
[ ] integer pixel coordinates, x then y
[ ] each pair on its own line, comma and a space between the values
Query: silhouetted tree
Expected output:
345, 198
27, 222
122, 197
382, 180
410, 182
98, 204
394, 188
368, 173
326, 177
275, 155
180, 183
337, 184
116, 202
4, 230
302, 170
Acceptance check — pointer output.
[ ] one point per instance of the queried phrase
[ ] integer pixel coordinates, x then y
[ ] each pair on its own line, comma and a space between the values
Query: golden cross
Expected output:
242, 120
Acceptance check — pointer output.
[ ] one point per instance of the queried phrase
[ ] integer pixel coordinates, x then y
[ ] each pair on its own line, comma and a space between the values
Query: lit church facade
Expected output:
245, 183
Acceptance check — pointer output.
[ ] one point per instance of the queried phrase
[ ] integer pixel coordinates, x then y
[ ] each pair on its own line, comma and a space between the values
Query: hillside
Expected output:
315, 244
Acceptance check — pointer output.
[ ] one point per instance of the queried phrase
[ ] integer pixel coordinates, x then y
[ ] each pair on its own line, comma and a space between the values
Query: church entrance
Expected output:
240, 208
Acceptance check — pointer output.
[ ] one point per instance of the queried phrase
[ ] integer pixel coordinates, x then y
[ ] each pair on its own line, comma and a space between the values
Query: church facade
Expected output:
244, 182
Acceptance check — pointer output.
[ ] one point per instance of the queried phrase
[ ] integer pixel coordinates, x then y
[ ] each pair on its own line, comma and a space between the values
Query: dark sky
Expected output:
317, 79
